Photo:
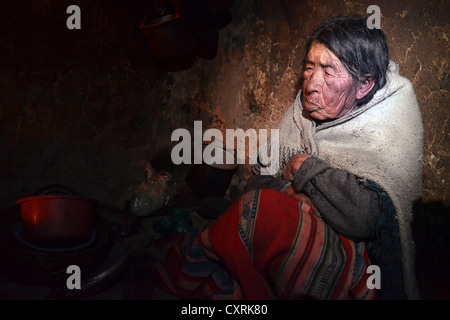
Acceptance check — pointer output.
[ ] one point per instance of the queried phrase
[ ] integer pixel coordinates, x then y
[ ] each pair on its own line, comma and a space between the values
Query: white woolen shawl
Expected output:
381, 141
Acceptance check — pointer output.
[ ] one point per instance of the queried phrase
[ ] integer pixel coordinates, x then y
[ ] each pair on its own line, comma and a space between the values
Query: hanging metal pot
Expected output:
170, 42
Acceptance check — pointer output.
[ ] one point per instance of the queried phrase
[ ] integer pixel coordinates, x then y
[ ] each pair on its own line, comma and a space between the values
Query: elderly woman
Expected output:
350, 170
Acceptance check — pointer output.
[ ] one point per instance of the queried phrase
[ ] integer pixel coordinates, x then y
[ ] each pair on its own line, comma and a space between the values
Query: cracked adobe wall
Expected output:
83, 108
258, 69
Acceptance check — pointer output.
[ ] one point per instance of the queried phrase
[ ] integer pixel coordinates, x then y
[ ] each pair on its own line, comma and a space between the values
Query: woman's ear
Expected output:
364, 86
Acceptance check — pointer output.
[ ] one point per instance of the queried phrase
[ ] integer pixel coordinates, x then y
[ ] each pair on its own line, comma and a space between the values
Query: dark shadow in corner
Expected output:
431, 234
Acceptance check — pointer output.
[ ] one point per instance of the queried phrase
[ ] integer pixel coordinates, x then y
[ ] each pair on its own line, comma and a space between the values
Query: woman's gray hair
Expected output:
361, 50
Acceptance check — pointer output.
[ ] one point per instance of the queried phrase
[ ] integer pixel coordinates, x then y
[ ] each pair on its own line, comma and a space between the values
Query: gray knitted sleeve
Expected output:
344, 200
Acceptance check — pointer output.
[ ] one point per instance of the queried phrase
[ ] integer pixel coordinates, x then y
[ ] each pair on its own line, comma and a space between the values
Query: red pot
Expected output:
57, 220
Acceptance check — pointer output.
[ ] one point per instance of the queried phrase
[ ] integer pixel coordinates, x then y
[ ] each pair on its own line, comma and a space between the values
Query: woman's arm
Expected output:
346, 202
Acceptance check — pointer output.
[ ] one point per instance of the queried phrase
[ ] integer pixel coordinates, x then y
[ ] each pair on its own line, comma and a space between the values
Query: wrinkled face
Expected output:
328, 91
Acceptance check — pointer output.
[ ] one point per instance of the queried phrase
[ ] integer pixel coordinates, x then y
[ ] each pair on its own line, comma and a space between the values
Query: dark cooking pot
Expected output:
211, 180
170, 42
55, 220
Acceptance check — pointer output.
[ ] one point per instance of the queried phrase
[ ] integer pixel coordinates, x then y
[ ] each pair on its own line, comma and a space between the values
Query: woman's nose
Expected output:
313, 82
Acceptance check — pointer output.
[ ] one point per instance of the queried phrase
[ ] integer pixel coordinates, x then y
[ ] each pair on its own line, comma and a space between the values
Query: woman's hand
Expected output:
299, 196
293, 165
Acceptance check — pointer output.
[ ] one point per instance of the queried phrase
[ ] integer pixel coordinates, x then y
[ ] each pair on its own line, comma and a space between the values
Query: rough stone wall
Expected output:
84, 107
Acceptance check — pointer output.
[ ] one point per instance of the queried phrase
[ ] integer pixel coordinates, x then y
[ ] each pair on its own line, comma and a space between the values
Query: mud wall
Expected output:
84, 107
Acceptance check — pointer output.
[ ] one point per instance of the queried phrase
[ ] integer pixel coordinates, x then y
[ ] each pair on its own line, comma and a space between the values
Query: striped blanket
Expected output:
267, 245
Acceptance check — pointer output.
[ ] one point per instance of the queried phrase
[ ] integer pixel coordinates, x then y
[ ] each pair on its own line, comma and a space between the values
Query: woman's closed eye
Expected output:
329, 72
